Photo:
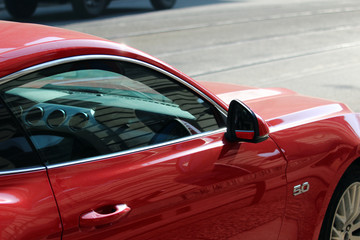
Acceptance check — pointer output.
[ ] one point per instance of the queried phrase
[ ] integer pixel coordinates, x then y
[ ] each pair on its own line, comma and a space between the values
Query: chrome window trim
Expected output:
106, 57
125, 59
21, 170
135, 150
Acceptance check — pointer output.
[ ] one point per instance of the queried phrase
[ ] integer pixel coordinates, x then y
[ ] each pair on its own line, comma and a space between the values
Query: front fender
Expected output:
318, 152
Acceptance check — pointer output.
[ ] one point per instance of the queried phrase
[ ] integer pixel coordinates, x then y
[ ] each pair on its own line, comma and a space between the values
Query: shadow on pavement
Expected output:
62, 13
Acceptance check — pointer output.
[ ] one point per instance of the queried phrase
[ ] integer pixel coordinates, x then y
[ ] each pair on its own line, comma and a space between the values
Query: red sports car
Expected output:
101, 141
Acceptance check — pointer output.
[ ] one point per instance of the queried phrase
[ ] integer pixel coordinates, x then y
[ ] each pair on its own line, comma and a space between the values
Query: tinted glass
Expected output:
91, 108
15, 150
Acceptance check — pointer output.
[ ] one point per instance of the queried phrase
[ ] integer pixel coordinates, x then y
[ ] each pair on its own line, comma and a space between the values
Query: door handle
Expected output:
104, 215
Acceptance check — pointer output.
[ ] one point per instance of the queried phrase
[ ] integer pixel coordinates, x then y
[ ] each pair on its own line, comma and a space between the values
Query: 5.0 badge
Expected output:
301, 188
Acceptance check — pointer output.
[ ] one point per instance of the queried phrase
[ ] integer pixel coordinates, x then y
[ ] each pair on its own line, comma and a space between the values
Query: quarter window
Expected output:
91, 108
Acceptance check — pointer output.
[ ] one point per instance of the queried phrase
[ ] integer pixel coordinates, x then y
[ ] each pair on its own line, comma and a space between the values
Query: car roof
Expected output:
23, 45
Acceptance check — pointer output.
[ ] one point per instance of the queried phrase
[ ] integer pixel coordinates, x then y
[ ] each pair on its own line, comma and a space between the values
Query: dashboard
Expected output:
67, 126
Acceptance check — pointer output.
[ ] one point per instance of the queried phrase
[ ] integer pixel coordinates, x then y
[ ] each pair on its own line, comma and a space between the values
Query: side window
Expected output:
15, 150
91, 108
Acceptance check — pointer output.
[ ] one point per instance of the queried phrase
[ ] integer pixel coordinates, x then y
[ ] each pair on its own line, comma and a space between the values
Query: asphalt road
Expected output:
310, 46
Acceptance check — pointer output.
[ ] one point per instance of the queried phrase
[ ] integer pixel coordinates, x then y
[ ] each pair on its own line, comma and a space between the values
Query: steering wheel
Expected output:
174, 129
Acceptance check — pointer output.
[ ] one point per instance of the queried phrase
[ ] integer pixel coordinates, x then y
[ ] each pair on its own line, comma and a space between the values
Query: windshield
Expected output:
97, 81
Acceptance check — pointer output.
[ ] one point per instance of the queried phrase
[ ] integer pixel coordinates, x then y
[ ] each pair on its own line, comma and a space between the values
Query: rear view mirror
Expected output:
244, 125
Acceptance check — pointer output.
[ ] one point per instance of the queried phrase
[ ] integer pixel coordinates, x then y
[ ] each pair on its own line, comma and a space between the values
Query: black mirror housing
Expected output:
244, 125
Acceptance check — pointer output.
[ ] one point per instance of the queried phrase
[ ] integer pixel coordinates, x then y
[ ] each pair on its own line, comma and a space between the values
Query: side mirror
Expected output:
244, 125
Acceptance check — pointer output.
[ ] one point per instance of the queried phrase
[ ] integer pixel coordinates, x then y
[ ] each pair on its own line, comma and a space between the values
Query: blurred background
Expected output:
309, 46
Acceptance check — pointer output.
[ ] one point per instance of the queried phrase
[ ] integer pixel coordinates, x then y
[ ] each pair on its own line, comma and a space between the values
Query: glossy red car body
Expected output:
203, 187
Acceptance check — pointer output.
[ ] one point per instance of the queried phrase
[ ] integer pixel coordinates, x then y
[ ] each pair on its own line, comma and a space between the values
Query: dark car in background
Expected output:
83, 8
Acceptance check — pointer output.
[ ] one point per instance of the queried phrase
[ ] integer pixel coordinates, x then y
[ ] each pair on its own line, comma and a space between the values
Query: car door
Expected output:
135, 153
27, 206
